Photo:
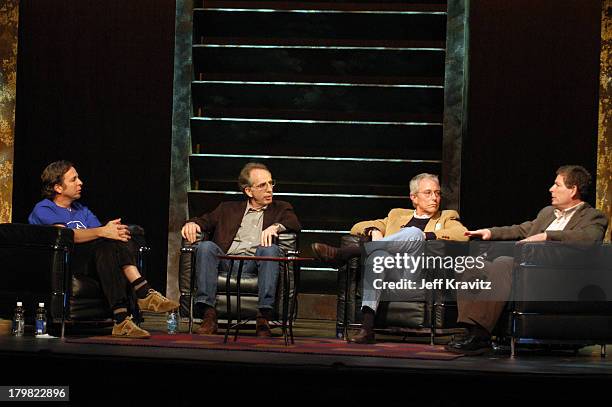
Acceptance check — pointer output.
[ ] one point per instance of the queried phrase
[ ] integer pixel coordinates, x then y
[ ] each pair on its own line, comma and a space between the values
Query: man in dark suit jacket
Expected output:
568, 219
241, 228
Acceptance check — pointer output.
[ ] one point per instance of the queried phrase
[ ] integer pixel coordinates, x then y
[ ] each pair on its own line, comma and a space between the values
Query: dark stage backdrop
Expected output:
533, 103
95, 87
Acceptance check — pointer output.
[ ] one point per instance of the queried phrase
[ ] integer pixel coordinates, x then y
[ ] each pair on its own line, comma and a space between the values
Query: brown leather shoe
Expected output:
262, 328
326, 253
209, 322
363, 337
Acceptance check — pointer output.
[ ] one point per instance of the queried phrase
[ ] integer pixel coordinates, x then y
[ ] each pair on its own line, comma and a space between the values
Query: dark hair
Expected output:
53, 175
244, 179
576, 175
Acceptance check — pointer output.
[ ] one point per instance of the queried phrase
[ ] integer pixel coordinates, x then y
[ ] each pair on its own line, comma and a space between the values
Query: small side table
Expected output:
286, 322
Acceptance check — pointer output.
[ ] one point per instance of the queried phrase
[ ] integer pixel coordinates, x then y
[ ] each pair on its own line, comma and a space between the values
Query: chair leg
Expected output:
66, 278
512, 347
228, 299
432, 324
285, 316
238, 305
347, 287
602, 350
294, 299
191, 289
191, 312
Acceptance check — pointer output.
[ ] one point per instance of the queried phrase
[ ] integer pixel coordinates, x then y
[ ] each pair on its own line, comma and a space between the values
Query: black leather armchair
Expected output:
432, 312
248, 285
579, 277
38, 266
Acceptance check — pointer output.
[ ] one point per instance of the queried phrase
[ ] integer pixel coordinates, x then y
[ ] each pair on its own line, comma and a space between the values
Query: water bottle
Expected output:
18, 320
41, 320
172, 322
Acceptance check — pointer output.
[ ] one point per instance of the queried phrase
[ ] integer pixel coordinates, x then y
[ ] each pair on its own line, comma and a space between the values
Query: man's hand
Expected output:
376, 234
540, 237
268, 234
190, 231
484, 234
116, 231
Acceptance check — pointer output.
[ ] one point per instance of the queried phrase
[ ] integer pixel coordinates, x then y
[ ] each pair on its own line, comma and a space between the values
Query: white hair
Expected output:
414, 182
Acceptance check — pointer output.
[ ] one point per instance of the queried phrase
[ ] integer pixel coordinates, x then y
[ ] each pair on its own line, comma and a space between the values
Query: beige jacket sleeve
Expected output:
452, 228
359, 228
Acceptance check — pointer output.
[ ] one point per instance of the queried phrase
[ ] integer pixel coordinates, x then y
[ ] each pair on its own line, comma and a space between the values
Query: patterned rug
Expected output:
310, 346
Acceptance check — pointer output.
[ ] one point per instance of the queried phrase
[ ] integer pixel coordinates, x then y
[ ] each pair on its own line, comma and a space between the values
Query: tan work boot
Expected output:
209, 322
128, 329
155, 302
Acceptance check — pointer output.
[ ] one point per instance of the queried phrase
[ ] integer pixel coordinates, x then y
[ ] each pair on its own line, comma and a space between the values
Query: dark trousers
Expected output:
105, 259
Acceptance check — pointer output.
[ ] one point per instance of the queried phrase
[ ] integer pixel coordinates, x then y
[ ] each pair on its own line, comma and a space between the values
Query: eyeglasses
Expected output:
263, 185
429, 193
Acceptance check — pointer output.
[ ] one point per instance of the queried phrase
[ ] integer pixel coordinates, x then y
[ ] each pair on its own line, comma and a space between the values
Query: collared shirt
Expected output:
563, 217
249, 235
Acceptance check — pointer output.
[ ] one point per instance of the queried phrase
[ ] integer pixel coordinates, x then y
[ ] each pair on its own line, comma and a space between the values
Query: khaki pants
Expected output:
484, 308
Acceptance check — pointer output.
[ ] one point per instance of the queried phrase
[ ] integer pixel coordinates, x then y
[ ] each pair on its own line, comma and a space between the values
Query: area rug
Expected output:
311, 346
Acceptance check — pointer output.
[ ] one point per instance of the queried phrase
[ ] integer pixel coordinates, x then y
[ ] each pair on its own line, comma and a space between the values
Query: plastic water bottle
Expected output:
41, 320
172, 322
18, 320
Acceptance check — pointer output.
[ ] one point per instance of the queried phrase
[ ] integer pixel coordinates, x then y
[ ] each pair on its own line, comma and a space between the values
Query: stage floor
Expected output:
88, 367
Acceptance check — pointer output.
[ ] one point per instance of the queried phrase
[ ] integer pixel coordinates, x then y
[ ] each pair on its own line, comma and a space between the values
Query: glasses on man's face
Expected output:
263, 185
429, 193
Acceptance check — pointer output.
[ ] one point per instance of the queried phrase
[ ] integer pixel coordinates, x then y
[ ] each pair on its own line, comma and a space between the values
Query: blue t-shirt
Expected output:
78, 216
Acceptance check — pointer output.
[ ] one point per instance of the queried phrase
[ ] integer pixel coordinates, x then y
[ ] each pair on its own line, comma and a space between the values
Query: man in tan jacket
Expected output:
425, 222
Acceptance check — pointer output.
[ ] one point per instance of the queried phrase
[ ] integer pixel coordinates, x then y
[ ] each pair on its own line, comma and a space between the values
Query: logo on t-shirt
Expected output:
76, 224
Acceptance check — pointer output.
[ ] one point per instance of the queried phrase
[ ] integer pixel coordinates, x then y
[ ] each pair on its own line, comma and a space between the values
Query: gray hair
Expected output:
244, 179
414, 182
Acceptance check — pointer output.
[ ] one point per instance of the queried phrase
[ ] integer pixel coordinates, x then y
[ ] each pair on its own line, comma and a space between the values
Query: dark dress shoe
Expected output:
262, 328
363, 337
208, 327
326, 253
470, 345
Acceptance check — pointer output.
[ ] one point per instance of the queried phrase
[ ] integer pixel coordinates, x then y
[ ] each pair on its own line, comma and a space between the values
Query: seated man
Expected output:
109, 246
425, 222
241, 228
568, 219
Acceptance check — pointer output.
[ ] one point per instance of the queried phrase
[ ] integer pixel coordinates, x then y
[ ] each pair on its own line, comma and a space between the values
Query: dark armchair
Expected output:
562, 295
38, 265
248, 285
431, 313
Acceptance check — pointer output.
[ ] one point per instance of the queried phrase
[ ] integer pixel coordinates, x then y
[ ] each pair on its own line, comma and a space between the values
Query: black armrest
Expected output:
19, 234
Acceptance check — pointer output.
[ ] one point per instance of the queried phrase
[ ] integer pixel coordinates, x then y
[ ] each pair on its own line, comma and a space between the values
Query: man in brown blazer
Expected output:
425, 222
567, 219
241, 228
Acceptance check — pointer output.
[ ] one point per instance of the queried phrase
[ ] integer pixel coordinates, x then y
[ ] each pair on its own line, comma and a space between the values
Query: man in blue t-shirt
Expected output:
110, 246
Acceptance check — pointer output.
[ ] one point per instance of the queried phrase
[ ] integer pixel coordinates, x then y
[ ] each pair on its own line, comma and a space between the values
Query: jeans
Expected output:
403, 243
208, 267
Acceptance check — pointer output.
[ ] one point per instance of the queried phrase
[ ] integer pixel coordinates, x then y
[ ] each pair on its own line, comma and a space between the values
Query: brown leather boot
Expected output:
334, 256
209, 322
326, 254
366, 333
363, 337
262, 325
